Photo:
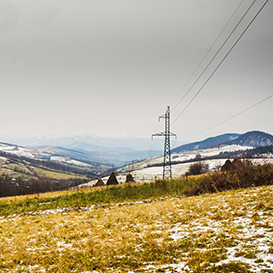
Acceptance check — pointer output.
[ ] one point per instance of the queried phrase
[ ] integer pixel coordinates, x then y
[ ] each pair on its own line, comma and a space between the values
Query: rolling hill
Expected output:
207, 143
250, 139
54, 163
80, 151
253, 139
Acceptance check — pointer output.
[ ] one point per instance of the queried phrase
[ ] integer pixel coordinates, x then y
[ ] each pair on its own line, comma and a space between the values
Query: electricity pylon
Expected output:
167, 164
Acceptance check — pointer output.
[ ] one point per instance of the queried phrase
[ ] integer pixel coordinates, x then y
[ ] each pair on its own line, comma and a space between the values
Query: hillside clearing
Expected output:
53, 174
220, 232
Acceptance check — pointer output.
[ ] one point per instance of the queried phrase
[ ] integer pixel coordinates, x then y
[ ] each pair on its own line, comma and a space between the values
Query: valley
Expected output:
63, 168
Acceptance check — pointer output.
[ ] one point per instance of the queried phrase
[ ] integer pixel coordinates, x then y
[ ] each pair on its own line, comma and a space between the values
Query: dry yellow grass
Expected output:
58, 175
199, 234
32, 196
45, 195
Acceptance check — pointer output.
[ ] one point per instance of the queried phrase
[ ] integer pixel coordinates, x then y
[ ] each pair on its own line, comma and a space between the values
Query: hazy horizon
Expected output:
130, 142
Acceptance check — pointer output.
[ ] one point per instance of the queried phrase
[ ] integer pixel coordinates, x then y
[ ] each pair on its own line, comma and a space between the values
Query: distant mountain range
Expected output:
207, 143
92, 143
251, 139
116, 151
79, 151
76, 149
110, 155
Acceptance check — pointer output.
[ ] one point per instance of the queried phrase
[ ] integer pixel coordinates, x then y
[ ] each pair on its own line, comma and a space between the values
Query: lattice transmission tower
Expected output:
167, 164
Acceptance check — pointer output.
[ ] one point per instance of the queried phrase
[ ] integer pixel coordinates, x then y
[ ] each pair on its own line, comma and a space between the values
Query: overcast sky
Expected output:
111, 67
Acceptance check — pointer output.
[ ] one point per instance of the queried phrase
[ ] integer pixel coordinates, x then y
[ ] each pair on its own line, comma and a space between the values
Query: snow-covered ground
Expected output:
227, 232
142, 172
183, 156
22, 151
62, 159
207, 152
42, 153
153, 173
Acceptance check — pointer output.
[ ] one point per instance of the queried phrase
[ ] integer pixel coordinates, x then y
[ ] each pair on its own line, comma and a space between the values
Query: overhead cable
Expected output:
204, 58
241, 112
201, 88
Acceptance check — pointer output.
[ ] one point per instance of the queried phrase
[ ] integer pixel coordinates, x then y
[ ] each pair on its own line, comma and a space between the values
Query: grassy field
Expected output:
95, 196
13, 166
53, 174
151, 227
223, 232
17, 170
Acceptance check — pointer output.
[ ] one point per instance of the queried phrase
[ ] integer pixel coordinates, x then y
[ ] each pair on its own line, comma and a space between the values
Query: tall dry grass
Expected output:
141, 237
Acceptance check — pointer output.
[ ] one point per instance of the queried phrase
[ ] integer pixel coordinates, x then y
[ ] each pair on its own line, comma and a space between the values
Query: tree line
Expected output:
10, 186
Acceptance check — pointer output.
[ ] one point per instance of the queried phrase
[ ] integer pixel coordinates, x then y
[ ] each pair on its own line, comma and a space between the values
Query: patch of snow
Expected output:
67, 160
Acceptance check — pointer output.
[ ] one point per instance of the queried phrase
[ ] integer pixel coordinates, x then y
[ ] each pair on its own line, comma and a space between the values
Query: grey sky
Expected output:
111, 67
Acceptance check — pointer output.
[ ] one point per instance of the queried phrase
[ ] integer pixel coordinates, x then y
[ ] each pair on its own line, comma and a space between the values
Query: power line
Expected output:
204, 57
231, 116
201, 88
215, 55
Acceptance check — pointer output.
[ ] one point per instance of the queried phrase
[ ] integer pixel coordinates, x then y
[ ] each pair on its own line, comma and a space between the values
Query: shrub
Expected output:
198, 168
247, 176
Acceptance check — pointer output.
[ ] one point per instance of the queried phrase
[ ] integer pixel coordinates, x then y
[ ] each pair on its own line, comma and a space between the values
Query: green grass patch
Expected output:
214, 182
148, 236
58, 175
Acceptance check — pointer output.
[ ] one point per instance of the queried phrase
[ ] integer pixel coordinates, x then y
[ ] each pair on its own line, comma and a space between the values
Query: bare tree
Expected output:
198, 168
